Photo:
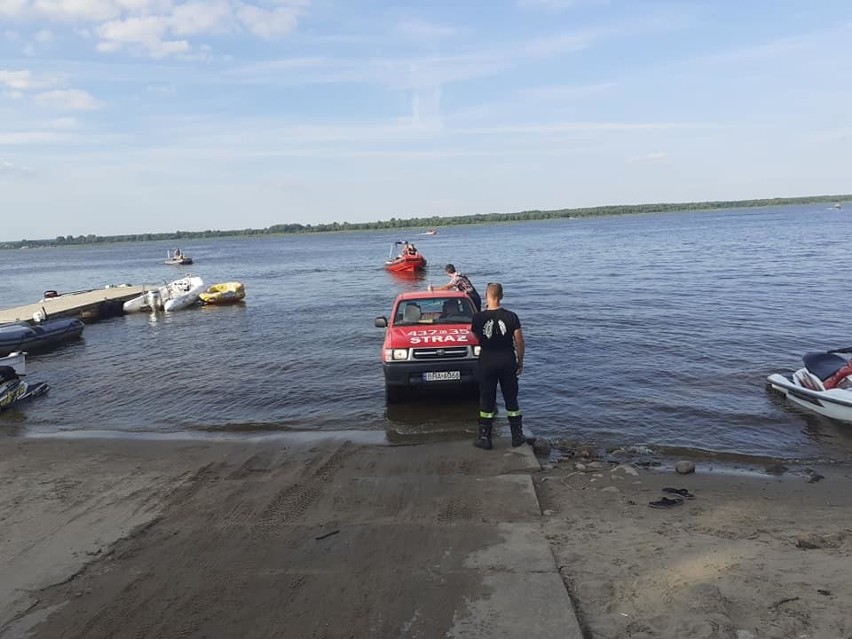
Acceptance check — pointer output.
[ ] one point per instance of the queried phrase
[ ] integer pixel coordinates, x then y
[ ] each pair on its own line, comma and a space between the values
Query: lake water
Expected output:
656, 329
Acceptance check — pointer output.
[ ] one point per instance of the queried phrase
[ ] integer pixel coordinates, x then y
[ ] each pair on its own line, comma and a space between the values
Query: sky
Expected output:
134, 116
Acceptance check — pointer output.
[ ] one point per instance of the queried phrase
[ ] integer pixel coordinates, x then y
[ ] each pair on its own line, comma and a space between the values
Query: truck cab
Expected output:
428, 343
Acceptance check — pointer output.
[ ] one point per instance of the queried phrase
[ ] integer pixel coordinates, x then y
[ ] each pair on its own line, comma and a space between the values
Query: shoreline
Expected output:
535, 215
113, 537
651, 456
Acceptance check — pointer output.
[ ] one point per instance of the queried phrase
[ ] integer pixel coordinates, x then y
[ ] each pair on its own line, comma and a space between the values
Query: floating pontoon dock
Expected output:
86, 305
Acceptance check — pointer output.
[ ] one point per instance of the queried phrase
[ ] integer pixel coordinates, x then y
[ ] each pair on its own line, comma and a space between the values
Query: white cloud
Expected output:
64, 123
146, 32
14, 170
68, 100
160, 28
23, 84
658, 156
423, 30
558, 5
193, 18
267, 23
13, 8
43, 36
567, 42
71, 10
162, 89
27, 137
589, 127
24, 80
421, 72
39, 40
829, 136
564, 92
83, 10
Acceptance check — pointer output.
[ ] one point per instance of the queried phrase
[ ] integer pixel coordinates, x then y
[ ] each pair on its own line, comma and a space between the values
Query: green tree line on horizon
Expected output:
433, 221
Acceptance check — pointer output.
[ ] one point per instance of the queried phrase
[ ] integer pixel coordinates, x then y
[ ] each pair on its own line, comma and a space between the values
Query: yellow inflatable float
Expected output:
224, 293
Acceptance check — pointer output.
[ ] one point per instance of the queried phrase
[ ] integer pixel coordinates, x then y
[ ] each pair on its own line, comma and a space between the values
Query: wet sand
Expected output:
118, 538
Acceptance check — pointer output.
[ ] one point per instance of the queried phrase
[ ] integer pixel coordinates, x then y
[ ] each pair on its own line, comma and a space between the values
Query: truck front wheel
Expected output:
394, 394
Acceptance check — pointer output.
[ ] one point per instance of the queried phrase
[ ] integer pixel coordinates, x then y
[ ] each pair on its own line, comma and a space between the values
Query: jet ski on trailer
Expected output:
823, 385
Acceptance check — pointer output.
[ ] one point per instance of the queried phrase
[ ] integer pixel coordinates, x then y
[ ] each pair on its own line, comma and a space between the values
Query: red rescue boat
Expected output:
409, 259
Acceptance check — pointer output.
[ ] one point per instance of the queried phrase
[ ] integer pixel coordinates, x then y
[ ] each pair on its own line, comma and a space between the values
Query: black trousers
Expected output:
498, 368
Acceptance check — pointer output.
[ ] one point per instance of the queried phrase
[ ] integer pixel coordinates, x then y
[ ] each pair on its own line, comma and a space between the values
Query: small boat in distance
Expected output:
837, 206
177, 258
408, 260
431, 232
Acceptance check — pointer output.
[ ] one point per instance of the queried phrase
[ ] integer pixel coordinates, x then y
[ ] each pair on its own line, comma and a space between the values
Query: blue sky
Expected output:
128, 116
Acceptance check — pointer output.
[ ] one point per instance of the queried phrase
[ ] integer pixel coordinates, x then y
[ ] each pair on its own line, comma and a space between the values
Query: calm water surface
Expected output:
655, 329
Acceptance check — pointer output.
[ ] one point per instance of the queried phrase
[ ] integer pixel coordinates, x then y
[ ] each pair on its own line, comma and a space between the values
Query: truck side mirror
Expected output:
381, 322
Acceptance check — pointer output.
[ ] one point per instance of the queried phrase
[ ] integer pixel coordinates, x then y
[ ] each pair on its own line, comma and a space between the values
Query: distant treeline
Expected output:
415, 222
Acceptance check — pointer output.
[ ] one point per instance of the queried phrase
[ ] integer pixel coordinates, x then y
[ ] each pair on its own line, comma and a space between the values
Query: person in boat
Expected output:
501, 360
460, 282
408, 250
177, 254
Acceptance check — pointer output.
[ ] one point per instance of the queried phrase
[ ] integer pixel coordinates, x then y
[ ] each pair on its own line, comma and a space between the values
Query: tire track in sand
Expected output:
292, 501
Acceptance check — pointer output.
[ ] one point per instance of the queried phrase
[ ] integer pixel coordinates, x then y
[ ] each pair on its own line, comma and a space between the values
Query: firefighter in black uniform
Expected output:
501, 360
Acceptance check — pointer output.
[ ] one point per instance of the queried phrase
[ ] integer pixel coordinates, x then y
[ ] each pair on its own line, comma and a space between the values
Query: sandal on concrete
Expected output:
665, 502
683, 492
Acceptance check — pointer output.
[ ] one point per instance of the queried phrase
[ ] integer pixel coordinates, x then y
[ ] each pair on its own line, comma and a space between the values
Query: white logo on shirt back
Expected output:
503, 329
488, 329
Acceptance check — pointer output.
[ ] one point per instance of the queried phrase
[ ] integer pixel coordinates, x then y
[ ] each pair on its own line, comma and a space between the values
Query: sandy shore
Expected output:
749, 556
118, 538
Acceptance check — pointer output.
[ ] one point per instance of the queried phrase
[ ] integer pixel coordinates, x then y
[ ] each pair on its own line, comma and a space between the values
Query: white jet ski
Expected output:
823, 385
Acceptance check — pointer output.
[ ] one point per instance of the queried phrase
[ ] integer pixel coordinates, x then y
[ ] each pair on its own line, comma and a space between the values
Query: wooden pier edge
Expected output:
88, 306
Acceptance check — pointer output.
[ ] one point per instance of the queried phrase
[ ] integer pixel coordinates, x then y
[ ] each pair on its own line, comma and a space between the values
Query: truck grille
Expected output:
452, 352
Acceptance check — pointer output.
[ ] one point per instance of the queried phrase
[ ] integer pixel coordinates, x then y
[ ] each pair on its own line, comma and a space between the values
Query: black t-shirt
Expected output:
495, 329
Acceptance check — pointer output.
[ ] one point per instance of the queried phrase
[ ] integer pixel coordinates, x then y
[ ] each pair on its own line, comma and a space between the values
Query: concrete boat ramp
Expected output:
86, 305
231, 540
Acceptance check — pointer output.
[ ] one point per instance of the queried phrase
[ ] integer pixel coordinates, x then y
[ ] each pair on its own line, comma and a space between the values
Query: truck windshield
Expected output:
434, 310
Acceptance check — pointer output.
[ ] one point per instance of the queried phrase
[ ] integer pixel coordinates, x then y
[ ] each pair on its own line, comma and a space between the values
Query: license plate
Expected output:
441, 376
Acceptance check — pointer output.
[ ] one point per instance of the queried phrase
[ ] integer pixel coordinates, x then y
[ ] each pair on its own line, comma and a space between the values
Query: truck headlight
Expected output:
476, 350
400, 353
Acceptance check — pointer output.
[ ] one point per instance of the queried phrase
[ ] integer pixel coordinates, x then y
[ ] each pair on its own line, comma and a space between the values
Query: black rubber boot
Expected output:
484, 439
516, 426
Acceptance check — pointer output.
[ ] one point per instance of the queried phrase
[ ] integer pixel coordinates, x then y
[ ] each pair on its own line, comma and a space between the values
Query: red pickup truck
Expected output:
428, 343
